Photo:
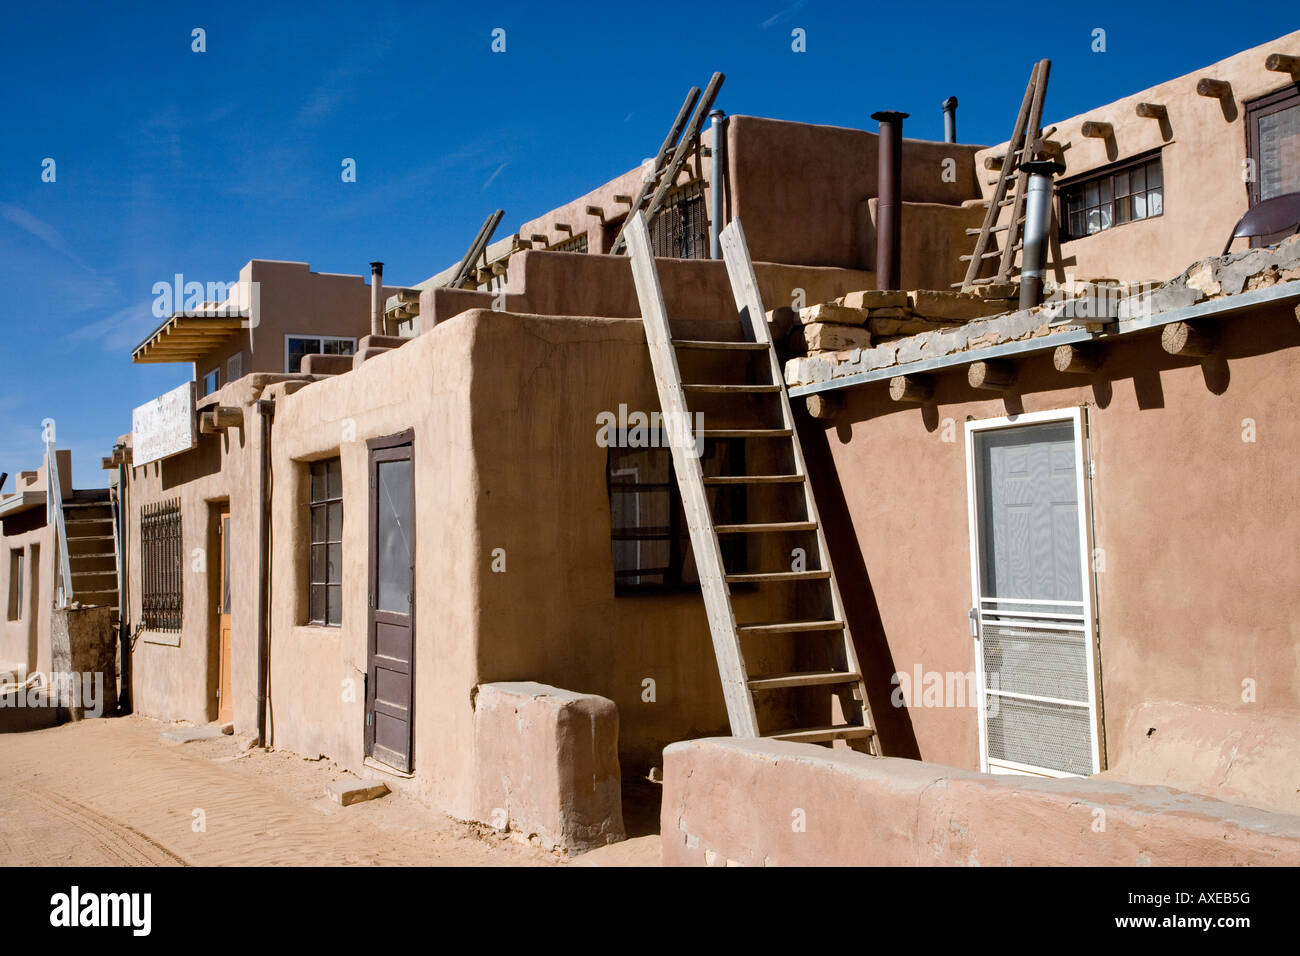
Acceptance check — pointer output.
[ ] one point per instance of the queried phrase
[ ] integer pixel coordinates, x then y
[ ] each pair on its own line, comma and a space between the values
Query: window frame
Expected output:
162, 571
321, 339
735, 554
235, 367
322, 504
1082, 180
1280, 99
216, 387
16, 580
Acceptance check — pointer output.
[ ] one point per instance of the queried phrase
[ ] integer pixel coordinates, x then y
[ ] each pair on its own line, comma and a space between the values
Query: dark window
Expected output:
325, 604
161, 566
296, 346
212, 381
680, 230
1123, 193
650, 540
1273, 134
577, 243
15, 584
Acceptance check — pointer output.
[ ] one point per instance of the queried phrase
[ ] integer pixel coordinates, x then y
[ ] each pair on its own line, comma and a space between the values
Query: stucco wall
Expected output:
1197, 529
770, 803
1203, 147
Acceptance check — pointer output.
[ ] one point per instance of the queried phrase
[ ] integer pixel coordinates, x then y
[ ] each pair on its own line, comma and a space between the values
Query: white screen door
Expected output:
1032, 615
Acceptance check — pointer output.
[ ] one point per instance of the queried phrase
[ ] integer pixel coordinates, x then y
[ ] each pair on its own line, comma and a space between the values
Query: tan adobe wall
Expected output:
573, 284
293, 300
1203, 149
1198, 528
770, 803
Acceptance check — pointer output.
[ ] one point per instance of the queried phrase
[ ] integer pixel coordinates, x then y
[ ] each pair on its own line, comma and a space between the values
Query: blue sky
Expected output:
174, 161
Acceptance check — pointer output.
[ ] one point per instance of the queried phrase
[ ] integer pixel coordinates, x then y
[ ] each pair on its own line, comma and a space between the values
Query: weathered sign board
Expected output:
165, 426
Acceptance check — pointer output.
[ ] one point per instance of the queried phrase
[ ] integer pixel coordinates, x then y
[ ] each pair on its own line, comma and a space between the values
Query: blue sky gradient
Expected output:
174, 161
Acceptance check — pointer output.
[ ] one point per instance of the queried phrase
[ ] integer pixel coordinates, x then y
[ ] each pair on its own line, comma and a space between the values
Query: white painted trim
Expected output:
1088, 628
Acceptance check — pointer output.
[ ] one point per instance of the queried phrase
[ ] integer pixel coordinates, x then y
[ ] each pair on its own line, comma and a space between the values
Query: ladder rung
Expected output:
752, 479
756, 389
745, 432
803, 679
760, 526
991, 255
1002, 228
758, 577
701, 344
787, 627
810, 735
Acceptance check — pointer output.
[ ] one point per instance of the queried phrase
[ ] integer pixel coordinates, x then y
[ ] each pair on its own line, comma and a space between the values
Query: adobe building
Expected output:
399, 554
30, 576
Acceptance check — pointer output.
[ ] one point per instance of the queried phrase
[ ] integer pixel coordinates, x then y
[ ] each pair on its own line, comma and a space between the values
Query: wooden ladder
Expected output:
1026, 141
838, 671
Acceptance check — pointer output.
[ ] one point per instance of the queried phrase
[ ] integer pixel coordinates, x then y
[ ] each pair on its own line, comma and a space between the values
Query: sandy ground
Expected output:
112, 793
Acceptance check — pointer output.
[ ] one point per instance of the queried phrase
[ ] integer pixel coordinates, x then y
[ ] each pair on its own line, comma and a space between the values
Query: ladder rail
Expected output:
744, 285
690, 479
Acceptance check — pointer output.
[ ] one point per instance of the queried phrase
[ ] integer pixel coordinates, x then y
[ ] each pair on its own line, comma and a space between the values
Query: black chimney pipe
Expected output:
950, 120
889, 209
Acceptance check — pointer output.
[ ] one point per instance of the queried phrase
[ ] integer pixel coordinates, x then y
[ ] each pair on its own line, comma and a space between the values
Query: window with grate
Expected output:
650, 541
1119, 194
297, 346
161, 566
681, 229
325, 600
576, 243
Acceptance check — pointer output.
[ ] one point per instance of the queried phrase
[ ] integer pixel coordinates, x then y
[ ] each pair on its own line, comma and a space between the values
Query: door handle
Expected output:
973, 614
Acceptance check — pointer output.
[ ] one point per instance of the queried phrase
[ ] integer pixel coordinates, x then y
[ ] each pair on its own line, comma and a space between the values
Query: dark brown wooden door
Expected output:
390, 683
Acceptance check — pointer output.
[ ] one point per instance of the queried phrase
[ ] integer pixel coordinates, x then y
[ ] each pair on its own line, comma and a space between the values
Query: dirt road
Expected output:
112, 793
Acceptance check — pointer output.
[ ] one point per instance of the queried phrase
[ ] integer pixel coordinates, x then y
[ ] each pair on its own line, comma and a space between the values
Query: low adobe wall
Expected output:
547, 764
578, 284
759, 802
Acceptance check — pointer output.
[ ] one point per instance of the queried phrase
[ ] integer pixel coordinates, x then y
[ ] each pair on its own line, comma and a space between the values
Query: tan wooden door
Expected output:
225, 706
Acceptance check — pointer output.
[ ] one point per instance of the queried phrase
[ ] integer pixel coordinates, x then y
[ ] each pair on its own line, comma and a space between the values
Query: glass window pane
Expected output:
1105, 186
1105, 215
1138, 177
317, 611
319, 528
318, 489
1091, 194
225, 570
318, 564
1123, 210
1155, 175
1155, 203
333, 563
334, 604
1139, 207
335, 511
1121, 183
394, 536
334, 470
1094, 221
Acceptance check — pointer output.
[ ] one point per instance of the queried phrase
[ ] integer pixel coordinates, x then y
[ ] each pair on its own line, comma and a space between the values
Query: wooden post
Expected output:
1282, 63
1186, 339
824, 405
994, 375
911, 388
228, 416
1152, 111
1215, 89
1096, 130
1080, 359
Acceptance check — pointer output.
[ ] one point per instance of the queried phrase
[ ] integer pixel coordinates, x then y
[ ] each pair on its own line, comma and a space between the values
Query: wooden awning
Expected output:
187, 338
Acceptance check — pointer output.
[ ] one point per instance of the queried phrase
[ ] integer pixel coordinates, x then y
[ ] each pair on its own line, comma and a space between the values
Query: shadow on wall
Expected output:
893, 724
